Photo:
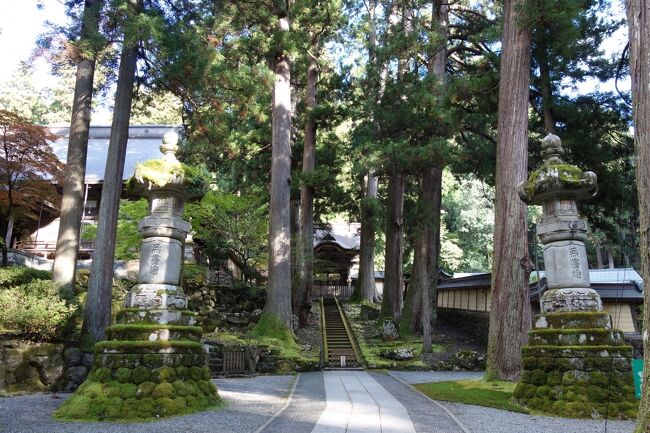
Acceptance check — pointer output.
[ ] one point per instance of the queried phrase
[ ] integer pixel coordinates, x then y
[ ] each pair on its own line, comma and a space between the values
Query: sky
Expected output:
20, 24
21, 21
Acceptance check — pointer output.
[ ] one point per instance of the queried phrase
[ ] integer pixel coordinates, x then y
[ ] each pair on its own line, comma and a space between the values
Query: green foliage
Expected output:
495, 394
17, 275
127, 243
39, 309
232, 225
467, 224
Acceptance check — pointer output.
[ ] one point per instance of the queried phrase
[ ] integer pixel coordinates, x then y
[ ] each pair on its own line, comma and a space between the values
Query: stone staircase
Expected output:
338, 342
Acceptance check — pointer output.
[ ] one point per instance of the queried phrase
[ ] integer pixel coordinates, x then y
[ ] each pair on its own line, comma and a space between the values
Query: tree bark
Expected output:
278, 298
97, 315
296, 250
610, 259
510, 317
367, 289
9, 232
638, 13
433, 178
391, 304
307, 193
67, 243
599, 258
545, 82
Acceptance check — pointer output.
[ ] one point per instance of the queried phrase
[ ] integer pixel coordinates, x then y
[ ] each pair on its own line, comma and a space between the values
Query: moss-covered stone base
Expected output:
146, 370
140, 393
582, 372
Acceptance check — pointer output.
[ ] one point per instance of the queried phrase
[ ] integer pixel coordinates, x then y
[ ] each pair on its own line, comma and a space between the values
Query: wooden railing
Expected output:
331, 291
37, 246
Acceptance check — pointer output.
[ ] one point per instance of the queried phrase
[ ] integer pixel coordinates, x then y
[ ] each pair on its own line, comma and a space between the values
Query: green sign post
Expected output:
637, 370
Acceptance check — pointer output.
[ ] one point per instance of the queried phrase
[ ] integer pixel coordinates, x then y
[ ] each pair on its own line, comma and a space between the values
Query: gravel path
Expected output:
414, 377
487, 420
250, 402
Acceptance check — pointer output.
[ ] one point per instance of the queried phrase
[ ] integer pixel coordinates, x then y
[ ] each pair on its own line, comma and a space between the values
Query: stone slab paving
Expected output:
356, 403
250, 403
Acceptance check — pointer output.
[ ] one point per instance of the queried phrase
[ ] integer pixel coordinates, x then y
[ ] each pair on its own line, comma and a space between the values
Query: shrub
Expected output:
17, 275
40, 309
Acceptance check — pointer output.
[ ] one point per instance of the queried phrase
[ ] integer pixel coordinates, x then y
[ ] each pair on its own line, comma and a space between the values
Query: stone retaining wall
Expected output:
27, 366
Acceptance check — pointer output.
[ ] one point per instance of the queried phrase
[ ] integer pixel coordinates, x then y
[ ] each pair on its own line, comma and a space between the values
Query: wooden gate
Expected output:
234, 361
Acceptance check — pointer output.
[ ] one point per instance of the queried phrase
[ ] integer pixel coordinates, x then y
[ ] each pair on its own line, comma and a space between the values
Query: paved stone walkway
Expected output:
358, 402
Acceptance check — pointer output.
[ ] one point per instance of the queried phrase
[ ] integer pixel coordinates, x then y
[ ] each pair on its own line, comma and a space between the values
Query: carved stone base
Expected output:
574, 299
151, 296
576, 365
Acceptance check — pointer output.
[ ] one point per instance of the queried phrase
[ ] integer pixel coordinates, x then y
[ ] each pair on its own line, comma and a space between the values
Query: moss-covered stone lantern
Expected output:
152, 364
575, 364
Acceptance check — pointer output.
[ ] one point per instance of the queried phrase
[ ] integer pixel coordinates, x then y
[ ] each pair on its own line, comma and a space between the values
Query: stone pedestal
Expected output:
152, 363
575, 364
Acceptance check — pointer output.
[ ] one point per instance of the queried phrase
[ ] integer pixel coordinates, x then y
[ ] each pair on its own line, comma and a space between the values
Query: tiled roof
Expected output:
142, 146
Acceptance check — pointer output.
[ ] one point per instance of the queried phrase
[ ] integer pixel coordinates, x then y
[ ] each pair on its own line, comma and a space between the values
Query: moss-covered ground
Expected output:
368, 335
271, 334
496, 394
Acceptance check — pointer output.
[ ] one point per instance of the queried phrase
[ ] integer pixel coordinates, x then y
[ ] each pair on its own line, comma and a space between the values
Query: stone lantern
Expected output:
575, 364
152, 363
557, 187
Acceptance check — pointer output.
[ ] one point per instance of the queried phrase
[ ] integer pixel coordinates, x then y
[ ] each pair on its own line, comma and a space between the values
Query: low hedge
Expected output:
39, 309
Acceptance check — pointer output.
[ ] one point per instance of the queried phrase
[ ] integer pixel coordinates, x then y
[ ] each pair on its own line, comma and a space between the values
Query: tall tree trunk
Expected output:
510, 317
367, 288
599, 258
638, 14
296, 251
432, 179
541, 57
307, 192
9, 232
610, 259
67, 243
424, 277
278, 297
97, 315
417, 319
433, 195
391, 303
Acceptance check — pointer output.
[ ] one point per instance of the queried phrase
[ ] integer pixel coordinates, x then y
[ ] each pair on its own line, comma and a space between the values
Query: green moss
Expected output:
145, 389
146, 327
569, 175
196, 373
182, 372
160, 172
123, 375
490, 394
140, 374
101, 374
163, 390
151, 360
75, 407
274, 328
185, 344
